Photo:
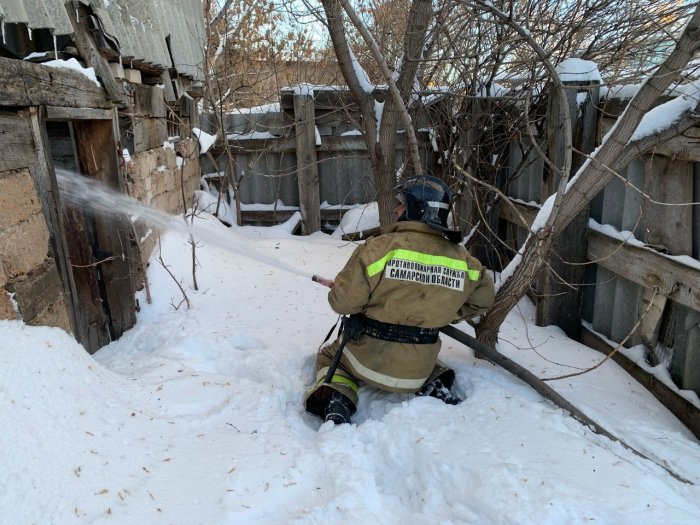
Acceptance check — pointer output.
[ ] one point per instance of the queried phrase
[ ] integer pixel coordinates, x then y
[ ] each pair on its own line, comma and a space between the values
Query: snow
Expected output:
207, 202
306, 90
36, 54
629, 238
194, 415
627, 91
126, 155
360, 73
637, 354
206, 140
493, 90
359, 219
663, 116
265, 108
621, 92
253, 135
74, 65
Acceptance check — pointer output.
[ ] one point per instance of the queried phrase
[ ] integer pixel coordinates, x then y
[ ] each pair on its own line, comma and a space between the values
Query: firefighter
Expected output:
399, 289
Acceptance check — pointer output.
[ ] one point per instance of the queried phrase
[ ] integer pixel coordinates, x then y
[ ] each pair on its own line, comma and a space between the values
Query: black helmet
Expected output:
426, 199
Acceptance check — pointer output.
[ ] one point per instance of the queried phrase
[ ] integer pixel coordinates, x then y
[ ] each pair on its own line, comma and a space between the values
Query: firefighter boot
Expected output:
338, 409
437, 389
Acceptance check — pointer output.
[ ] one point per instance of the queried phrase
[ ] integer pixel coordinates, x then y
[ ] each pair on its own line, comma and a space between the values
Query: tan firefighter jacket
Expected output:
410, 276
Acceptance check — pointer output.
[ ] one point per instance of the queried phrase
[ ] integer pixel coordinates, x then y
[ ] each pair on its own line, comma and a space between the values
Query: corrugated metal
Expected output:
37, 14
141, 27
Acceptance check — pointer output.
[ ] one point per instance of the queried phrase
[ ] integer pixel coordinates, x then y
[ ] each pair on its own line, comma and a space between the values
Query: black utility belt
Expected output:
397, 333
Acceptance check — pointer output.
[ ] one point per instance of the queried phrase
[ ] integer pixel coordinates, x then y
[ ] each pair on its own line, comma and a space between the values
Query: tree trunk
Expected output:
384, 184
414, 40
536, 248
382, 152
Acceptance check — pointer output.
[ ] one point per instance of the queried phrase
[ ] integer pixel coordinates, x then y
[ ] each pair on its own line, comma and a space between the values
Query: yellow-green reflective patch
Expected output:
342, 380
422, 258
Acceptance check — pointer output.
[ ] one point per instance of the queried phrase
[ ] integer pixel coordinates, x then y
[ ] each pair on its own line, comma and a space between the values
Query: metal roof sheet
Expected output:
37, 14
141, 27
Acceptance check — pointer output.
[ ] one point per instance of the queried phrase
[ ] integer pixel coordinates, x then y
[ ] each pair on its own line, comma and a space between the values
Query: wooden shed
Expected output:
62, 264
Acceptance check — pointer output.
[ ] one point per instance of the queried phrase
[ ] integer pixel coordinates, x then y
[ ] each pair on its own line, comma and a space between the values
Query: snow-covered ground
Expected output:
194, 416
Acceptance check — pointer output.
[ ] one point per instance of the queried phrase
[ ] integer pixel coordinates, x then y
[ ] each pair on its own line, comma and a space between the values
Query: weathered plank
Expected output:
643, 266
284, 145
307, 168
97, 152
685, 147
509, 211
560, 298
276, 217
92, 319
27, 84
62, 113
88, 50
168, 90
47, 189
16, 142
669, 181
675, 280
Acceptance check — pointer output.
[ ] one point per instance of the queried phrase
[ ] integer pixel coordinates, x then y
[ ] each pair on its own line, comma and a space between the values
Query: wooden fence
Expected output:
633, 254
307, 152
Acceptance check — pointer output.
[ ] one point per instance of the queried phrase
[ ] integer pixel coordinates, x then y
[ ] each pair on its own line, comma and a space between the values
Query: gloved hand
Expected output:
321, 280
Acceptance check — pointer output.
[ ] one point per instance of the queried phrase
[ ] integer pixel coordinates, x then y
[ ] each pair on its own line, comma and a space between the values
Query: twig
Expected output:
97, 263
162, 263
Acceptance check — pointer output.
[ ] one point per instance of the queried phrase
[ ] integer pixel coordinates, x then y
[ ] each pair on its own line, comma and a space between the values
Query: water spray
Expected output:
87, 193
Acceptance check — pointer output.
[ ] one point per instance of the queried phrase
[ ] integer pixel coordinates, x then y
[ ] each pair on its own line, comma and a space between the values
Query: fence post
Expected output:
307, 168
559, 298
